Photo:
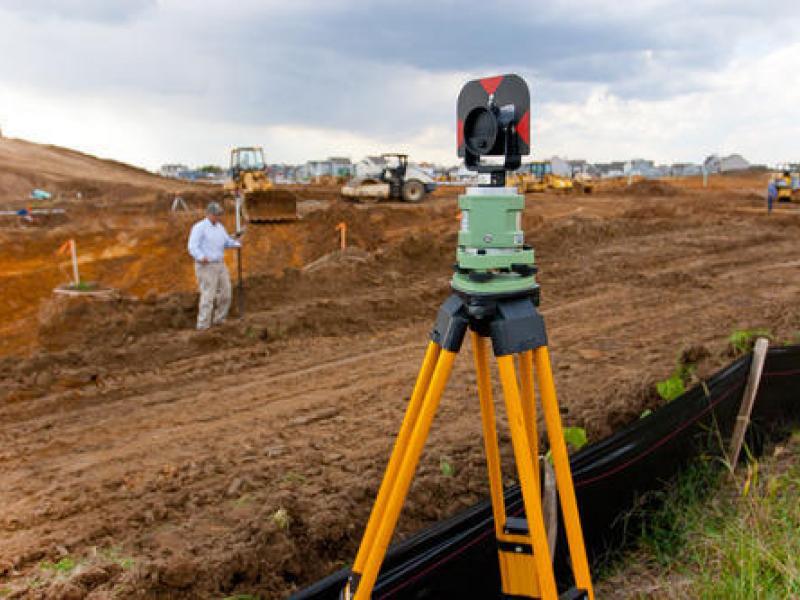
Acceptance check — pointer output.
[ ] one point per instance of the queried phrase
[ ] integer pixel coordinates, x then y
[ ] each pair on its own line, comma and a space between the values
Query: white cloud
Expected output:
749, 107
183, 81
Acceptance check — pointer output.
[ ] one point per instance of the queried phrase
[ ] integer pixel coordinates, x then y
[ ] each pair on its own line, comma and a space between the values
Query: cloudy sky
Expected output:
154, 81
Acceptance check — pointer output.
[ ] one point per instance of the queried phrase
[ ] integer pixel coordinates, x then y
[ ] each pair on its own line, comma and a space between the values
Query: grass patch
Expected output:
65, 565
714, 537
84, 286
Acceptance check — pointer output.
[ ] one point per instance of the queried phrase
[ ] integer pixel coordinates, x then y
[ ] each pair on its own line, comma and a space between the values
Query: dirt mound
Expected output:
651, 188
96, 322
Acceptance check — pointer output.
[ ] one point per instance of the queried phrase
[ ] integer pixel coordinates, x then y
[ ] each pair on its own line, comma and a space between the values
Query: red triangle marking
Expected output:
459, 133
490, 83
524, 127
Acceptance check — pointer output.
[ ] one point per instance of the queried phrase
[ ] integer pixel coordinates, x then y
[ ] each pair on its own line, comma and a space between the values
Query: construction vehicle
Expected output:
785, 184
260, 201
583, 182
389, 176
538, 177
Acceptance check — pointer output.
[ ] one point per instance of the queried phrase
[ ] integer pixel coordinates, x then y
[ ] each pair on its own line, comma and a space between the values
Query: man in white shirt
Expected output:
207, 243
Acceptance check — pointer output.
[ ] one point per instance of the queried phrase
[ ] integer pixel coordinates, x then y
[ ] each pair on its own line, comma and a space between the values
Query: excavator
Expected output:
260, 201
389, 176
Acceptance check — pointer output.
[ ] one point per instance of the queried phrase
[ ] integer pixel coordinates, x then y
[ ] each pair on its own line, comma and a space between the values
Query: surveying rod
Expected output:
240, 280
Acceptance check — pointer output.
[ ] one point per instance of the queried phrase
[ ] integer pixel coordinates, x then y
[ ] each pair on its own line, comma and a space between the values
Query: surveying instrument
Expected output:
495, 297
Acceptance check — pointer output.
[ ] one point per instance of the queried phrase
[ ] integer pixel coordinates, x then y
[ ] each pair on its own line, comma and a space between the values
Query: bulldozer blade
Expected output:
268, 206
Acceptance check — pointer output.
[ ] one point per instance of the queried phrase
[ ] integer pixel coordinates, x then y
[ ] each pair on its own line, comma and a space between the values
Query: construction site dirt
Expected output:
244, 459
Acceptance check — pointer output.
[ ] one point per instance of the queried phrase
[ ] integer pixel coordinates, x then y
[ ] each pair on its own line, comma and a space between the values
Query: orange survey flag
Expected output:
64, 248
342, 229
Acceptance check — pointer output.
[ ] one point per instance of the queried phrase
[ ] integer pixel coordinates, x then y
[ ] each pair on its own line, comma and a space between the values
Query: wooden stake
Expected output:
342, 229
74, 251
750, 391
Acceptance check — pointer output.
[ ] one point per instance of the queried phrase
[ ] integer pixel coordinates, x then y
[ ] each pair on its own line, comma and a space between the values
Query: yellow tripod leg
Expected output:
566, 491
481, 356
405, 473
529, 405
398, 452
528, 484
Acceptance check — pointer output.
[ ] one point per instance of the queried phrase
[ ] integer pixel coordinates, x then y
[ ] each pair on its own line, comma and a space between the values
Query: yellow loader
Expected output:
538, 177
260, 201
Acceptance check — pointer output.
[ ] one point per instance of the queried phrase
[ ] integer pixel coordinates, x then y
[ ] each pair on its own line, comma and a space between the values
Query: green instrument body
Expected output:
492, 256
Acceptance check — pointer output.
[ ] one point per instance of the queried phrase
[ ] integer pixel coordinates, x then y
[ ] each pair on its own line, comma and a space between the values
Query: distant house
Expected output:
341, 166
640, 167
578, 166
175, 171
284, 173
685, 169
317, 168
725, 164
336, 166
609, 169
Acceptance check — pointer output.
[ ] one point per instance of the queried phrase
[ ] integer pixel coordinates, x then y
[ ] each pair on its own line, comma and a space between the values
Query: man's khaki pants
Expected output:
215, 287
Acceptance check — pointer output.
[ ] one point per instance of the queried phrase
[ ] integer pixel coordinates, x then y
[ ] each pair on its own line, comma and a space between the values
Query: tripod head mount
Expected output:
493, 120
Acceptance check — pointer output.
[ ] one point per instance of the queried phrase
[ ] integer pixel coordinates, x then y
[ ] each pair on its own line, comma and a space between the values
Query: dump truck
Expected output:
389, 176
261, 202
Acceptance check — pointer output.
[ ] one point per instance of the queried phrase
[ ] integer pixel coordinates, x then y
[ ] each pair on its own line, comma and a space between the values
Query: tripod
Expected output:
515, 328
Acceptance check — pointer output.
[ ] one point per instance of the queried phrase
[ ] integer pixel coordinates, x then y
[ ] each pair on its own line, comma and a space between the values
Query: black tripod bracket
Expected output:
512, 322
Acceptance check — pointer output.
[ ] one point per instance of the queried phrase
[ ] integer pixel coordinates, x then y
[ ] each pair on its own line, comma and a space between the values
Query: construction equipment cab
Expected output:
783, 183
261, 202
389, 176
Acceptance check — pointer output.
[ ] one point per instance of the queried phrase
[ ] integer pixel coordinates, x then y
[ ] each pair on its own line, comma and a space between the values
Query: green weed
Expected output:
742, 340
671, 387
575, 437
446, 467
676, 384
